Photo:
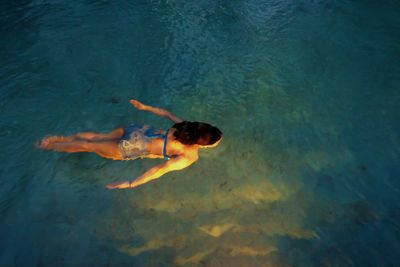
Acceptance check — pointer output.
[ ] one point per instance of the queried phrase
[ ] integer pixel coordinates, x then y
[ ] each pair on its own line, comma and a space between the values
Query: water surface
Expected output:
306, 93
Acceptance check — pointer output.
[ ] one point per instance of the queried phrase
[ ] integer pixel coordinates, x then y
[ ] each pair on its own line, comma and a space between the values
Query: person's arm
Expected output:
156, 172
157, 111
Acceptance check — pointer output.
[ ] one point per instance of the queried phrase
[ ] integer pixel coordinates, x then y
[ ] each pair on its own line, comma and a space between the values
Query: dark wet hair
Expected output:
190, 133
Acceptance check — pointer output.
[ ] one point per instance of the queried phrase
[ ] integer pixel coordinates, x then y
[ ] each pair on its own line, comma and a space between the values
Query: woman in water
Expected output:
179, 144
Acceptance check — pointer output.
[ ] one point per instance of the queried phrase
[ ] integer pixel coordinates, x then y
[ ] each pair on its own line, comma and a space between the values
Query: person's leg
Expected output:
107, 149
86, 136
105, 145
90, 136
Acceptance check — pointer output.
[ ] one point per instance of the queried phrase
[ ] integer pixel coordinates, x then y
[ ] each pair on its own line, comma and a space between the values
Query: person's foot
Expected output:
45, 143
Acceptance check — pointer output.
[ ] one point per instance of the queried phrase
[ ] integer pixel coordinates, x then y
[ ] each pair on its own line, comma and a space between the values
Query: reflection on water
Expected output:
305, 93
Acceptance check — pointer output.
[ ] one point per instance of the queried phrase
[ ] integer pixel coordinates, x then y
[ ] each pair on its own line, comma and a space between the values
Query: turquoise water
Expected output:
306, 93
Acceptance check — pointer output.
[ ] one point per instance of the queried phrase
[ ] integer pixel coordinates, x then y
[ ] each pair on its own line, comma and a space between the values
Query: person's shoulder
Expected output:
191, 152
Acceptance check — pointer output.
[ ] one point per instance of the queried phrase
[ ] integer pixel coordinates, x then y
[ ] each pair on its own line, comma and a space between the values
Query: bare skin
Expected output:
107, 146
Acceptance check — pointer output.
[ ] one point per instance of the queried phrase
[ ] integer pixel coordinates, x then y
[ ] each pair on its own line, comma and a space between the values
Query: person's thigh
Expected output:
107, 149
92, 136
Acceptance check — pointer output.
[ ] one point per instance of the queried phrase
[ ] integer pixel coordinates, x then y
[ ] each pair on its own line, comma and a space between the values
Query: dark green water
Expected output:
306, 93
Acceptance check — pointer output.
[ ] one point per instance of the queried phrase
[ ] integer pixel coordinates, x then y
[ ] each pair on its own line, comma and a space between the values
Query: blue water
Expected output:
306, 93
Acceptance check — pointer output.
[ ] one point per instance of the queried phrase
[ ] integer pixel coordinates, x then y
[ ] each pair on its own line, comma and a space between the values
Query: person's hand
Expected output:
119, 185
137, 104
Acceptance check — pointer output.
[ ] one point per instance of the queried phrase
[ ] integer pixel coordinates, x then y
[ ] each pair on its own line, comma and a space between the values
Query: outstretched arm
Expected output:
156, 172
157, 111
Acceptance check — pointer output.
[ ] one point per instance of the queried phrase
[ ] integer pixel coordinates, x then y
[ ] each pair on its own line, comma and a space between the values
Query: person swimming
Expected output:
179, 145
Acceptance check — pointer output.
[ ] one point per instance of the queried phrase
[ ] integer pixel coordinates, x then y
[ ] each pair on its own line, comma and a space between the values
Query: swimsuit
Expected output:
136, 138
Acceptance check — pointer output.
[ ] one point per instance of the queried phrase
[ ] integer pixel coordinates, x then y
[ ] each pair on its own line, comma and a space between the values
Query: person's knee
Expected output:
85, 135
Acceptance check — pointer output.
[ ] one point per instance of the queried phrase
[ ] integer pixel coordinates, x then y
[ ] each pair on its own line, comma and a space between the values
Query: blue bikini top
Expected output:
151, 133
